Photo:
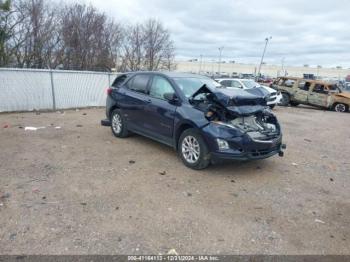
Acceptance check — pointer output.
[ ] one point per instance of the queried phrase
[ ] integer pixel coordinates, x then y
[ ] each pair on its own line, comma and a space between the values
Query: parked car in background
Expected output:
231, 83
346, 87
317, 93
246, 76
190, 113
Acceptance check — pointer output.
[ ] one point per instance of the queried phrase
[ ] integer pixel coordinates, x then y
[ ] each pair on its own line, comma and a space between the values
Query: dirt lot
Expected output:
76, 190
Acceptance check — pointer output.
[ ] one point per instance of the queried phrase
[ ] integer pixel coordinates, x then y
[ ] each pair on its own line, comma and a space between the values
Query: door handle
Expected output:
147, 101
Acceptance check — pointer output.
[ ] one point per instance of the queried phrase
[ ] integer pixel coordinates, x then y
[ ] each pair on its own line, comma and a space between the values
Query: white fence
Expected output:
36, 89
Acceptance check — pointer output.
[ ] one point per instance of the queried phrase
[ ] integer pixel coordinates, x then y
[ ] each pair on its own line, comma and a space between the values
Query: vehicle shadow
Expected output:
222, 168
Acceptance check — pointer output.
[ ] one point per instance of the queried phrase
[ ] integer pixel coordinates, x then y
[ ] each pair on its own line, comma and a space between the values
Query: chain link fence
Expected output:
41, 89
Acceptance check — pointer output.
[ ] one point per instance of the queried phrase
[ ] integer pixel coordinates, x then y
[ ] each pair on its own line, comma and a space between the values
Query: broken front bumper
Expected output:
241, 147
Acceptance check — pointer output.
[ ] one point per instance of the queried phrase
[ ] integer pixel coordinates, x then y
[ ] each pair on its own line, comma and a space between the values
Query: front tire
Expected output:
118, 124
272, 106
340, 107
193, 150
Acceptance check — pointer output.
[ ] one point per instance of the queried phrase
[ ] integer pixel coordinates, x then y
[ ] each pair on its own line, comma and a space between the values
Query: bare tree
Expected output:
41, 34
157, 45
148, 47
90, 39
133, 49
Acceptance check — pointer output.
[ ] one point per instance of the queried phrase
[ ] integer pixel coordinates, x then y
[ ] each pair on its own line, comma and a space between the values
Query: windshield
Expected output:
250, 83
189, 85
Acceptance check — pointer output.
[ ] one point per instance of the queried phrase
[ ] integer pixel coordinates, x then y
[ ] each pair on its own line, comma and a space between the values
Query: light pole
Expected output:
262, 57
220, 52
200, 63
282, 62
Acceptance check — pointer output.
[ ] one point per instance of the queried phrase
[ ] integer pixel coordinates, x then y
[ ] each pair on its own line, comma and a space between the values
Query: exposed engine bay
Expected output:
238, 109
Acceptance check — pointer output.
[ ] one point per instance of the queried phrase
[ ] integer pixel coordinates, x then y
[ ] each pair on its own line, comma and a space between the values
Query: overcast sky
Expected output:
310, 32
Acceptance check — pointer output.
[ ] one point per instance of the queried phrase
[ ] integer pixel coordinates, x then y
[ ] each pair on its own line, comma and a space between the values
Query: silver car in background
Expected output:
274, 98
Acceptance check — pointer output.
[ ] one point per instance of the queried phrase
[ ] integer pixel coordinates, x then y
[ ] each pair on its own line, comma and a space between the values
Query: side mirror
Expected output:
171, 97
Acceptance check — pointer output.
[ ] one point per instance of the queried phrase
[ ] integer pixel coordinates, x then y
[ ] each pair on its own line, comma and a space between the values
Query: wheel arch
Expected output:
180, 129
114, 107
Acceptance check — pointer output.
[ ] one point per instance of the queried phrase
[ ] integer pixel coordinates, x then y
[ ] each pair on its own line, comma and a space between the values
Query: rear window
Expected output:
139, 83
119, 80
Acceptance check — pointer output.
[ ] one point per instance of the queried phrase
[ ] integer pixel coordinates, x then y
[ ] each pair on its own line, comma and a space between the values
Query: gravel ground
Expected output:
79, 190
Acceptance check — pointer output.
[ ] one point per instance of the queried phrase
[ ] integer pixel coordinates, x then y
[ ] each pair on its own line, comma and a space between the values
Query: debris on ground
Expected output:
79, 125
163, 173
294, 164
319, 221
32, 128
35, 190
6, 195
131, 162
58, 127
233, 181
172, 252
83, 204
187, 194
6, 126
331, 179
13, 236
307, 140
84, 114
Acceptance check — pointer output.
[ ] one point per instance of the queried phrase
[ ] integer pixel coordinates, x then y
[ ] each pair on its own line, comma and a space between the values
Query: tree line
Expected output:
43, 34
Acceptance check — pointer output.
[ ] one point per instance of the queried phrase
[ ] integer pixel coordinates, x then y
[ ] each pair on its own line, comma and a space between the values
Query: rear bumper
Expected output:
105, 122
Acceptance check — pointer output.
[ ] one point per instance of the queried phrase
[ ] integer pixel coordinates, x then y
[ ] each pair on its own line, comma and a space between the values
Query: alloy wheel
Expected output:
117, 123
190, 149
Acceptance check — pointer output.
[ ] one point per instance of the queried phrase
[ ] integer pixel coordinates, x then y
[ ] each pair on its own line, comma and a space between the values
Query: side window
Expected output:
288, 83
159, 87
119, 80
139, 83
226, 83
236, 84
321, 89
303, 85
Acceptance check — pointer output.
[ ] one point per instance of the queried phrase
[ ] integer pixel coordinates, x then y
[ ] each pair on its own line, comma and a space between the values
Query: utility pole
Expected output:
220, 53
262, 57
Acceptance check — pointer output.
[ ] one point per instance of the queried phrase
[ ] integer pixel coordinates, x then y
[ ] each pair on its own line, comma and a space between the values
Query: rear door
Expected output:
134, 100
302, 91
160, 113
319, 95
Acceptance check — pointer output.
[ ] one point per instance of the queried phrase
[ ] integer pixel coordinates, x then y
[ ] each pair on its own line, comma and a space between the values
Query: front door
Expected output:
160, 113
319, 95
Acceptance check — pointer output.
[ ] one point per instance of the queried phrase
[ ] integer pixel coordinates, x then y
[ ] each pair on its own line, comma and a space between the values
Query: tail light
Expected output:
109, 91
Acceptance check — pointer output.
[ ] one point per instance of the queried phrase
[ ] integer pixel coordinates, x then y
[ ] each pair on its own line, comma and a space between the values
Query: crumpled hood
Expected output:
238, 101
240, 97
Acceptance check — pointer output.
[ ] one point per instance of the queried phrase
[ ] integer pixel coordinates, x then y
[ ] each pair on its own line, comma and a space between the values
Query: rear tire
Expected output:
285, 99
118, 124
340, 107
193, 150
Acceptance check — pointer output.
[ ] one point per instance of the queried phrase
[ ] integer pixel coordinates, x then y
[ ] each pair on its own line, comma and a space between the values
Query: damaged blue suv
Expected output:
201, 120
